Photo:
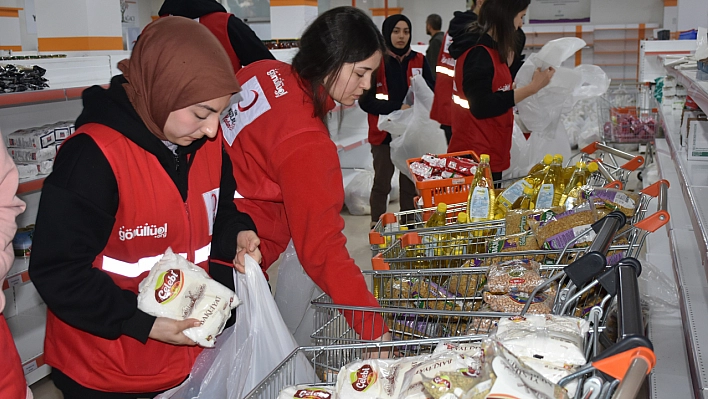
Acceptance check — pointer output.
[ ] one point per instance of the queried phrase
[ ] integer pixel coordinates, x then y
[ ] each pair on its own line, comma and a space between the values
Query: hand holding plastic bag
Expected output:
246, 352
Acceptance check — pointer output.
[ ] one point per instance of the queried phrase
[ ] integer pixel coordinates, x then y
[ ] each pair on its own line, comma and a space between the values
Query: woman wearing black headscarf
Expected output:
392, 82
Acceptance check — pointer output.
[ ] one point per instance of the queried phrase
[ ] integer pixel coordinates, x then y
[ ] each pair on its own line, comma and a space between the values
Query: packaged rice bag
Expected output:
308, 391
624, 201
558, 230
542, 303
518, 221
518, 275
551, 338
178, 289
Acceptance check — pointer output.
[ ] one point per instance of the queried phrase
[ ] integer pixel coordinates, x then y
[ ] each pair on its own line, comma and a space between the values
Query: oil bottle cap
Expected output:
592, 167
462, 217
558, 158
580, 164
442, 207
547, 159
484, 158
403, 228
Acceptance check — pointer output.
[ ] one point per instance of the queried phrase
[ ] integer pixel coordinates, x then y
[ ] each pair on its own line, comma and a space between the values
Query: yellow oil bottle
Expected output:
571, 194
524, 201
481, 202
547, 160
551, 189
459, 239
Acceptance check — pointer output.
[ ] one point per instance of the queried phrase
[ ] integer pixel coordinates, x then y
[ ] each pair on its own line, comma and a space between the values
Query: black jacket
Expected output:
477, 75
248, 47
397, 83
461, 22
433, 51
77, 212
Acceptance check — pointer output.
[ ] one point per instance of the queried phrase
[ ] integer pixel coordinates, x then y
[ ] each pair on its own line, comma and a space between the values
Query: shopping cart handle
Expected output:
629, 309
585, 268
605, 230
616, 360
608, 279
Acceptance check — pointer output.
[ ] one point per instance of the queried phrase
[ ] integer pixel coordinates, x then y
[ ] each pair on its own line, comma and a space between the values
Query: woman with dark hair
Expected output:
393, 79
144, 172
483, 96
288, 171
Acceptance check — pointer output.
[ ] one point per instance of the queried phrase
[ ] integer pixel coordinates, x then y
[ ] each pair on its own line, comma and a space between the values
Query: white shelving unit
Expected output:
686, 251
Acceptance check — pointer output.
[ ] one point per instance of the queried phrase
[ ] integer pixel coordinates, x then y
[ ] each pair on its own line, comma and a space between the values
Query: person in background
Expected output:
445, 69
287, 167
483, 97
388, 92
240, 42
145, 171
433, 24
12, 377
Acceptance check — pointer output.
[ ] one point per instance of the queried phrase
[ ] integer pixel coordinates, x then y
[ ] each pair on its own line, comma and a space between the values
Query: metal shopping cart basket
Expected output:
628, 115
626, 361
614, 166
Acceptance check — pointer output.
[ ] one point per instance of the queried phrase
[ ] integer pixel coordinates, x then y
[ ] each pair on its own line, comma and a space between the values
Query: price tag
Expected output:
14, 280
458, 181
30, 367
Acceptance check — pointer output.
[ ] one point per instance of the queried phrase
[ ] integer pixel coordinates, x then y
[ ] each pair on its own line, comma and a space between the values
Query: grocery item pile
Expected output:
33, 149
16, 78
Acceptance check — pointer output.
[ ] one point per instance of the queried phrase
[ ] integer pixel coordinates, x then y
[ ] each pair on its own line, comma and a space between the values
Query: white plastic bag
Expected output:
178, 289
701, 44
422, 134
357, 193
519, 155
293, 294
248, 351
541, 112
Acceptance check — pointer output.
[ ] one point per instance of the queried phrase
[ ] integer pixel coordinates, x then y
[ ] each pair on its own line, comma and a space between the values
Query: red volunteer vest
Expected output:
483, 136
151, 216
444, 77
218, 23
415, 67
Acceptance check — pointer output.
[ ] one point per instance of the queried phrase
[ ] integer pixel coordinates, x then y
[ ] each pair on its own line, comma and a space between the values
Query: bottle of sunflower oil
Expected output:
481, 200
571, 194
551, 188
524, 201
437, 242
547, 160
459, 239
506, 199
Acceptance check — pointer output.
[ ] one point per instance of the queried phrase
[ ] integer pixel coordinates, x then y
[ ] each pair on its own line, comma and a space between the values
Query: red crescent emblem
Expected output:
249, 106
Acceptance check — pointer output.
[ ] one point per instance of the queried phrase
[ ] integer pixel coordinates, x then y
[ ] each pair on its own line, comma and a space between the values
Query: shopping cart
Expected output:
614, 167
454, 244
626, 361
628, 115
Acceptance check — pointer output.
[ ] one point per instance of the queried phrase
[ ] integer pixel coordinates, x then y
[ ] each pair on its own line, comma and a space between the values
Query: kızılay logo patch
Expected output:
168, 286
312, 393
363, 378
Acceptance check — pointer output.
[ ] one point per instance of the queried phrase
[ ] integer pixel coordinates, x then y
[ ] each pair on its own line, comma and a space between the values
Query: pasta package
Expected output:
614, 199
559, 229
519, 221
178, 289
514, 276
435, 296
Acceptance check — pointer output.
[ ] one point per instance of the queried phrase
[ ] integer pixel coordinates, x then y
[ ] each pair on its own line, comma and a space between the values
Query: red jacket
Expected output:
151, 217
217, 23
483, 136
290, 183
415, 67
444, 77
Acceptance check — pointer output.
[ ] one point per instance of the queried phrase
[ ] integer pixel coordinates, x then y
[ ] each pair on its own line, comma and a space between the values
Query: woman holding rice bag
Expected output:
144, 171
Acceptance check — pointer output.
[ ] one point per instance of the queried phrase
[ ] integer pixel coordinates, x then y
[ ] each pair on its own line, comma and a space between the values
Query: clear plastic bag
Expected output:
357, 192
422, 135
293, 294
247, 351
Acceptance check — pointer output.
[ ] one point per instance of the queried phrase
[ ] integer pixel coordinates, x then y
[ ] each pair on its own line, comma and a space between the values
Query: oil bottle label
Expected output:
511, 194
479, 206
545, 196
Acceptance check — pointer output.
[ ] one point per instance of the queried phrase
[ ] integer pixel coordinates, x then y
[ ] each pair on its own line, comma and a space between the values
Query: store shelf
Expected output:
698, 90
18, 273
28, 330
41, 96
688, 247
30, 185
617, 52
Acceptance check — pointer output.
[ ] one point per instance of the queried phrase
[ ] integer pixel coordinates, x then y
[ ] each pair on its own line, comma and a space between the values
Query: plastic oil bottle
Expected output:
547, 160
459, 239
524, 201
571, 194
551, 188
436, 242
482, 198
